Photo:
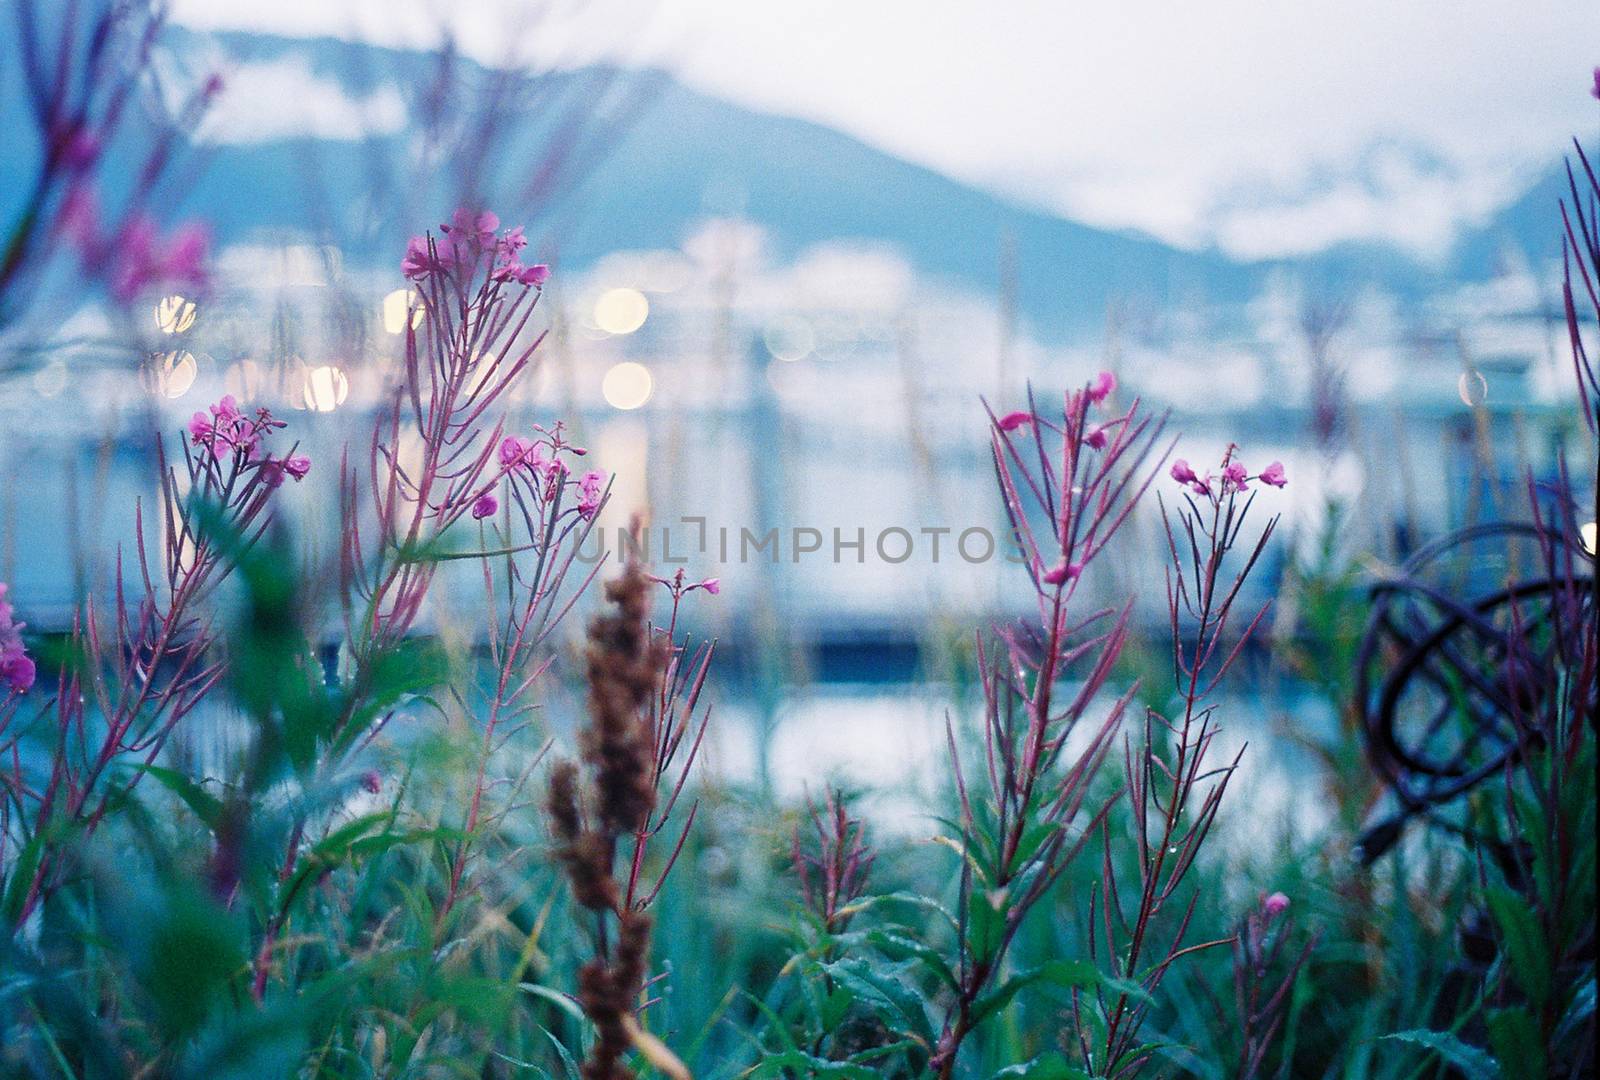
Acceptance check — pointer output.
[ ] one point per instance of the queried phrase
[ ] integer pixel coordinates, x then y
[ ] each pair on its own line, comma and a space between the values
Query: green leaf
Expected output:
1578, 1013
892, 996
206, 806
912, 899
571, 1066
986, 922
900, 947
1067, 974
1475, 1063
809, 1065
1524, 942
1048, 1066
1515, 1037
556, 998
774, 1021
21, 880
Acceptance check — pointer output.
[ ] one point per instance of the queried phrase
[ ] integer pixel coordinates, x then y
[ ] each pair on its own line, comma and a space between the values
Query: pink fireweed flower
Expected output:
1182, 473
1202, 485
535, 275
17, 669
1095, 437
1102, 387
591, 488
1235, 477
478, 227
1013, 420
418, 261
226, 430
711, 585
371, 782
515, 450
485, 505
223, 429
273, 470
1062, 573
1274, 905
1273, 474
511, 242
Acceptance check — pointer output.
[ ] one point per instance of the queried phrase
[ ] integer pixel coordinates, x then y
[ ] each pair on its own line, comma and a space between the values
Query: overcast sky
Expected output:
1265, 127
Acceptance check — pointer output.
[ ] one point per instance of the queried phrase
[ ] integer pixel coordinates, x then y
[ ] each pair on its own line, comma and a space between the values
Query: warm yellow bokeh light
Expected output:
621, 311
325, 388
175, 373
627, 385
395, 306
174, 314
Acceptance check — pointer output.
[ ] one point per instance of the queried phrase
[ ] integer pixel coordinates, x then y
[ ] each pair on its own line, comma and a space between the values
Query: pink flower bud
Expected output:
1062, 572
1182, 473
1273, 474
1013, 420
1274, 905
485, 505
1104, 383
371, 782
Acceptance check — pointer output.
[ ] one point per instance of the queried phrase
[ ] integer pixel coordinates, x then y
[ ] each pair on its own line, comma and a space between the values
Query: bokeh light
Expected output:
395, 306
171, 374
621, 311
627, 385
174, 314
326, 387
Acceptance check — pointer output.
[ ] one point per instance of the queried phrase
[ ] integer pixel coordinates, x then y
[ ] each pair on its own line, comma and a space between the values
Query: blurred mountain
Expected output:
1528, 230
319, 137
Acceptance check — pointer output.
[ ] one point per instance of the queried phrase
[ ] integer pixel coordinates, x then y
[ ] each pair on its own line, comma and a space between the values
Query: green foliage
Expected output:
185, 938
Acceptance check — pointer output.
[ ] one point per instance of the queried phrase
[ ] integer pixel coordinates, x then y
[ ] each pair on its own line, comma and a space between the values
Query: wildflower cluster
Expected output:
536, 468
465, 241
229, 435
1074, 432
1235, 477
16, 667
